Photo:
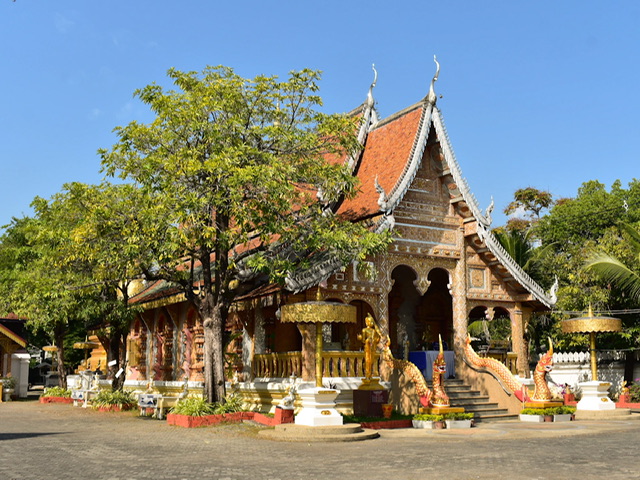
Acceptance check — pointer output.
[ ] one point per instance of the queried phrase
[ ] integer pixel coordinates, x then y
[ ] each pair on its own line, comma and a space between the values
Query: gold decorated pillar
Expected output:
308, 333
519, 319
459, 296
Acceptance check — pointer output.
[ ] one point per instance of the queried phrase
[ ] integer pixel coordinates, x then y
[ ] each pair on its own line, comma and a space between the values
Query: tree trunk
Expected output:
59, 340
115, 353
214, 380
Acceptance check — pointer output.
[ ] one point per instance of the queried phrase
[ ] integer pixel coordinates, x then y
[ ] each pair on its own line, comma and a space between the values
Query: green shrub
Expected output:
56, 392
426, 417
458, 416
233, 403
565, 410
634, 391
194, 407
119, 398
532, 411
199, 407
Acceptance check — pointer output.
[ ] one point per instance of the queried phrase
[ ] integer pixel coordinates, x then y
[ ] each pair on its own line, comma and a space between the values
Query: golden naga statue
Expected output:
544, 366
370, 337
439, 397
410, 370
496, 368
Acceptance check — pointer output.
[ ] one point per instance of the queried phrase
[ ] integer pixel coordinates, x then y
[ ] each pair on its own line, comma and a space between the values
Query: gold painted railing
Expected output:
334, 364
277, 365
345, 364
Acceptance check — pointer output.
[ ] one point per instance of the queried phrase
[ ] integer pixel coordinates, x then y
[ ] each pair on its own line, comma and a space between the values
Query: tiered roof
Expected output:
391, 154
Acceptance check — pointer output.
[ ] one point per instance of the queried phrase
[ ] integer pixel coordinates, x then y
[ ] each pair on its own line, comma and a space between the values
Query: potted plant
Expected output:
458, 420
8, 387
548, 414
564, 414
532, 415
425, 420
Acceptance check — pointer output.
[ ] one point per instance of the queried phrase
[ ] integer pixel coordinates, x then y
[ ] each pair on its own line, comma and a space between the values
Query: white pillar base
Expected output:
318, 407
595, 396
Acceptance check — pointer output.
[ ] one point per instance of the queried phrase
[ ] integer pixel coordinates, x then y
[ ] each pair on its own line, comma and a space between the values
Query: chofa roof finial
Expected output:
370, 100
431, 97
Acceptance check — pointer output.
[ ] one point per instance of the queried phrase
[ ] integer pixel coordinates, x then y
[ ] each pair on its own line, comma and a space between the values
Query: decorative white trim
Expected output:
514, 269
411, 168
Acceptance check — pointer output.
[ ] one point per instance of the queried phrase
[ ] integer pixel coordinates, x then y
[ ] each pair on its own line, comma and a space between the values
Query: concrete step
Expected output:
290, 432
500, 417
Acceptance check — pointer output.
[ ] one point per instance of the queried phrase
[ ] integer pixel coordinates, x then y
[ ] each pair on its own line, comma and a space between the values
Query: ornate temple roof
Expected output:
392, 151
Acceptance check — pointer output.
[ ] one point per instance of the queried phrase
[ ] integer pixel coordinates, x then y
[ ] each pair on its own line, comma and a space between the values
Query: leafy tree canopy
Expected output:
238, 179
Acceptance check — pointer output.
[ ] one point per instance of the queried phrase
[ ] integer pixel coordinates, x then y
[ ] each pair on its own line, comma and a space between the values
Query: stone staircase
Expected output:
461, 395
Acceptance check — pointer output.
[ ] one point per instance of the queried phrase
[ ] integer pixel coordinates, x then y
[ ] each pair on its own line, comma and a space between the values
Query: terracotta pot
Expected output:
387, 410
441, 425
548, 418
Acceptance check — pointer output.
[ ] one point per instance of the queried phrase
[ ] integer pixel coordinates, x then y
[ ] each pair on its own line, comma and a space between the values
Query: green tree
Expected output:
33, 287
614, 270
577, 227
239, 181
529, 202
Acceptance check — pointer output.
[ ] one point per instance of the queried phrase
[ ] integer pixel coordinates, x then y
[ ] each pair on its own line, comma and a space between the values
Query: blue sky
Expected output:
543, 94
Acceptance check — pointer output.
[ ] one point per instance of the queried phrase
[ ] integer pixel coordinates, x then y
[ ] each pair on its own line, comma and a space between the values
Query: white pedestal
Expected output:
318, 407
595, 396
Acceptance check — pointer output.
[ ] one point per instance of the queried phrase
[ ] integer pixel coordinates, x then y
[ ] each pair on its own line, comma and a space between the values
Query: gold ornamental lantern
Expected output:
318, 312
592, 324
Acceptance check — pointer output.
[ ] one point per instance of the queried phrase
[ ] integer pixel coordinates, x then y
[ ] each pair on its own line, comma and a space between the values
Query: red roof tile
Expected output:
386, 153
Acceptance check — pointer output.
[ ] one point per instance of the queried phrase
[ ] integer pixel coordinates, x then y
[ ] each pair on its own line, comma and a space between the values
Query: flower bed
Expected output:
56, 400
189, 421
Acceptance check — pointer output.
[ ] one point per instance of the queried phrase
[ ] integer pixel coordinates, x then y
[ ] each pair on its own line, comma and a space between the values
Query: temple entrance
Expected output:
419, 319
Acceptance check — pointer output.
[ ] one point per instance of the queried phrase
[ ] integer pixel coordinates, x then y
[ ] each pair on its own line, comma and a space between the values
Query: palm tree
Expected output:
613, 270
521, 246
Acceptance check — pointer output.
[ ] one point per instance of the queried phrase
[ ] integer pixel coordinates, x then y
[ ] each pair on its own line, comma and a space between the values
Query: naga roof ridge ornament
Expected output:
382, 200
431, 96
370, 100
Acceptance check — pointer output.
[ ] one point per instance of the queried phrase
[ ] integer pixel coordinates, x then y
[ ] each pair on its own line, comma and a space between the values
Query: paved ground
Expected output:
62, 442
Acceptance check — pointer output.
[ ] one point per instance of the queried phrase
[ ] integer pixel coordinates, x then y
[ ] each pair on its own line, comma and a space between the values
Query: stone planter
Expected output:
7, 393
422, 424
441, 425
565, 417
192, 422
458, 424
531, 418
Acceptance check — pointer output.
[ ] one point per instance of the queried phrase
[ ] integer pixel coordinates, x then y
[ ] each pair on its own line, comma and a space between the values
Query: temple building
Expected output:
14, 358
443, 269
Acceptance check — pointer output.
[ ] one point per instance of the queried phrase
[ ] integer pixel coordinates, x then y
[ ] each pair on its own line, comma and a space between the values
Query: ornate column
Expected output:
459, 294
519, 319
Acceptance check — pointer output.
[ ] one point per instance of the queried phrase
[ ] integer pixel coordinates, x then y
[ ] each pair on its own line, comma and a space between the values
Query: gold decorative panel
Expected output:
477, 278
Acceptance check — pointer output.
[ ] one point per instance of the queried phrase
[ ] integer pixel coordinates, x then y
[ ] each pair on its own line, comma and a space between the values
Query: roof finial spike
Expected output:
370, 101
431, 97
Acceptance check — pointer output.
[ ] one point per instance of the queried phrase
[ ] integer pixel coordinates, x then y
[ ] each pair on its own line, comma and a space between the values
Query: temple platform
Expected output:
543, 404
441, 410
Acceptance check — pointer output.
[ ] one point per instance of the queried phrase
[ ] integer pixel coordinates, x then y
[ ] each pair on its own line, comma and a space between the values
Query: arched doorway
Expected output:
435, 312
403, 302
416, 319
